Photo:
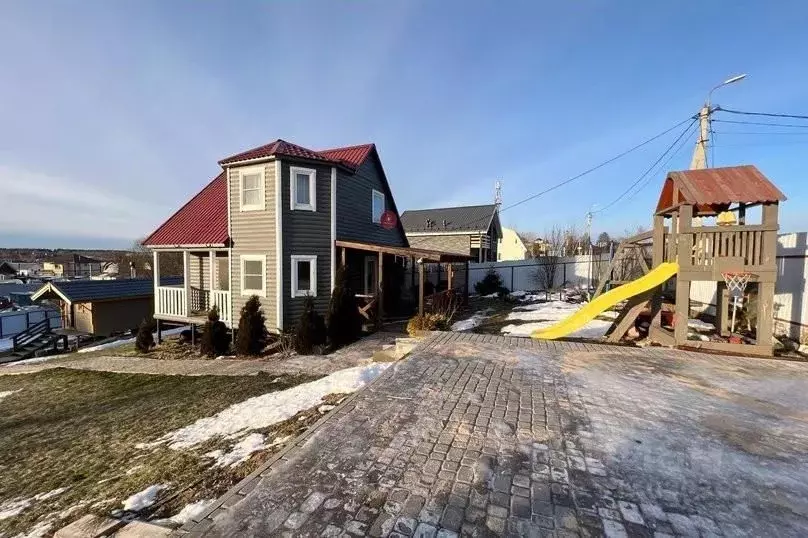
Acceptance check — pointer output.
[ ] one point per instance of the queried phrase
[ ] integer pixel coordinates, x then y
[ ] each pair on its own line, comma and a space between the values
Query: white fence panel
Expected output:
522, 274
16, 321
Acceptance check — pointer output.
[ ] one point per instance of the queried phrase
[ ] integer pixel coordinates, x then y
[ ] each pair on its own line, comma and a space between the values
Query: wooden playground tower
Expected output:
728, 246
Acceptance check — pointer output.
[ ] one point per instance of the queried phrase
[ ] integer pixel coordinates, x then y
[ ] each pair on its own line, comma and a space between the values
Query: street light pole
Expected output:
699, 159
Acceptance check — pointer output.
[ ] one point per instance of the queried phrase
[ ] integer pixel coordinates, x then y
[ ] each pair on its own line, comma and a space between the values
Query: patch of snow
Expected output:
35, 360
188, 512
133, 470
7, 393
67, 512
699, 325
50, 494
697, 336
594, 329
468, 324
609, 314
268, 409
214, 454
491, 296
40, 530
550, 311
124, 341
241, 451
13, 508
143, 499
325, 408
103, 502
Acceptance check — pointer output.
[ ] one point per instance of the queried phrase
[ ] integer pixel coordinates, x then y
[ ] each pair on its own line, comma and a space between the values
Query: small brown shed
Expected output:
102, 307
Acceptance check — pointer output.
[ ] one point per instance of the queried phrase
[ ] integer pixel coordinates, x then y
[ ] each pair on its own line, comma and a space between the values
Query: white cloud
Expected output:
37, 203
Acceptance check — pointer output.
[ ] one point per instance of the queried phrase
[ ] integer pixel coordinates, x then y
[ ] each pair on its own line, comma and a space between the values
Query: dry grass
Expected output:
78, 429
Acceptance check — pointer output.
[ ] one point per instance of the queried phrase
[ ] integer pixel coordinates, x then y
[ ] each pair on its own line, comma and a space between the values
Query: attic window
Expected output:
378, 206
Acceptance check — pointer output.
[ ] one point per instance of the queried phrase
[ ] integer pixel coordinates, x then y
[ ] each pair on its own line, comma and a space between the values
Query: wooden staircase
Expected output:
35, 339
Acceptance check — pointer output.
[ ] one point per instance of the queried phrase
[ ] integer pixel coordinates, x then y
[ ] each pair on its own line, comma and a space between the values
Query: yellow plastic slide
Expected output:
601, 303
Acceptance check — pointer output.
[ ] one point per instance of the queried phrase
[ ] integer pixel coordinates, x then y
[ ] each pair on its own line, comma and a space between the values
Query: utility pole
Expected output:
589, 251
699, 159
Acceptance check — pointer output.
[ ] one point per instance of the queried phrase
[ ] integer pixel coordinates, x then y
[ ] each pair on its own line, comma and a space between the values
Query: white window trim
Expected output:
253, 258
262, 188
373, 196
312, 276
312, 173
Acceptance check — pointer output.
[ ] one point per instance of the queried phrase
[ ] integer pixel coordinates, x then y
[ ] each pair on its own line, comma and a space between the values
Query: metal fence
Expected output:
13, 322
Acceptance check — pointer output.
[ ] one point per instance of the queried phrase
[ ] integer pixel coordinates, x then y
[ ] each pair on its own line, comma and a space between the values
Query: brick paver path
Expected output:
478, 435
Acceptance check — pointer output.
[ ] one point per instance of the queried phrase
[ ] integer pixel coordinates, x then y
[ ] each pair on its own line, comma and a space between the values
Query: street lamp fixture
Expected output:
730, 80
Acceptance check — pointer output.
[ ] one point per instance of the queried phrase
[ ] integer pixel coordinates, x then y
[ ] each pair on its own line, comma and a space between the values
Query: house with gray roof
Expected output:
468, 230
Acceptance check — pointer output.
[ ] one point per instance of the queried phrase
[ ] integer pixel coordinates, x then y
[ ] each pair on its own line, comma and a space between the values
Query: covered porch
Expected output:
372, 267
205, 283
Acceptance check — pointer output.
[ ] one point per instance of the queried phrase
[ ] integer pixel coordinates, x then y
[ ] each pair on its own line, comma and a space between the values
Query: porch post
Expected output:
380, 291
342, 256
186, 280
449, 275
212, 269
156, 278
420, 288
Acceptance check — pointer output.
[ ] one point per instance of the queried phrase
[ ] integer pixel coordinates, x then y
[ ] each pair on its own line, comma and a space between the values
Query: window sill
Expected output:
248, 293
246, 208
302, 207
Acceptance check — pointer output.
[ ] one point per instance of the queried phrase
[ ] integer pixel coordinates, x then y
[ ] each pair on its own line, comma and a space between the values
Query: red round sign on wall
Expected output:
388, 220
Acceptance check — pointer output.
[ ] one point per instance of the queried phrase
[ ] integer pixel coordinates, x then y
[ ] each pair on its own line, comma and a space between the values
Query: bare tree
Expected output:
555, 243
140, 258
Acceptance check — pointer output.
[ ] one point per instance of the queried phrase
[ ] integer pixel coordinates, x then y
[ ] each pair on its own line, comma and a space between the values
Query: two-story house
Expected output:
473, 231
275, 223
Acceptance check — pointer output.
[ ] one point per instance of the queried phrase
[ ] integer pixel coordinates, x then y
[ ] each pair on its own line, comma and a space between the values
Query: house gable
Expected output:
355, 203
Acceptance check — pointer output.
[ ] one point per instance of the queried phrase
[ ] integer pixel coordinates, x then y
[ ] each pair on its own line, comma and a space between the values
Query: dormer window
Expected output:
377, 206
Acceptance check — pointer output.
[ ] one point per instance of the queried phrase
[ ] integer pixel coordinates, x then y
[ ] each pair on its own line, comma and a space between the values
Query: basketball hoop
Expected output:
736, 282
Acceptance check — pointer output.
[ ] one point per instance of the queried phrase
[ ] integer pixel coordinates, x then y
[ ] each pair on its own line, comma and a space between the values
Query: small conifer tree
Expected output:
310, 331
215, 340
144, 341
252, 335
344, 319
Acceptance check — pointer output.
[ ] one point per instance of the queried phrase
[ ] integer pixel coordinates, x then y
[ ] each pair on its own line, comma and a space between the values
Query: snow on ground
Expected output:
143, 499
470, 323
594, 329
40, 530
242, 450
124, 341
35, 360
188, 512
550, 311
698, 325
15, 507
7, 393
268, 409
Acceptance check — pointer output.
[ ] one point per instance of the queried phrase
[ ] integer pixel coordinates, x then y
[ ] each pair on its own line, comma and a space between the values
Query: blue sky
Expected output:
114, 113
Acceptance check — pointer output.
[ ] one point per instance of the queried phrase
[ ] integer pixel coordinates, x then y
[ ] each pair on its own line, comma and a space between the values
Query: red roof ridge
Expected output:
352, 156
277, 147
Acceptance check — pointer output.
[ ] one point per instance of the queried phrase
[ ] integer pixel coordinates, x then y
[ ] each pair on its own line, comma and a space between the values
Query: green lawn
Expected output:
71, 428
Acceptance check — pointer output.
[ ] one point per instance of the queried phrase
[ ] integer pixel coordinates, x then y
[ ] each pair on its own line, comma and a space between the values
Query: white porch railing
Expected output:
222, 300
171, 301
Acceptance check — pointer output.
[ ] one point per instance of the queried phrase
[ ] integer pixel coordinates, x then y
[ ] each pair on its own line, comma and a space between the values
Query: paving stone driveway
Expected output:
477, 435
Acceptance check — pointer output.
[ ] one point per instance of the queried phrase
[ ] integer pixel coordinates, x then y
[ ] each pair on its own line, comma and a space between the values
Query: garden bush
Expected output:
344, 319
427, 322
491, 283
144, 340
310, 330
252, 336
215, 339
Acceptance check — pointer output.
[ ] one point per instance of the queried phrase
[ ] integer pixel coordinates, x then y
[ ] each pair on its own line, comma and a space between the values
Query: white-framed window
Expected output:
378, 205
304, 276
303, 188
254, 274
251, 188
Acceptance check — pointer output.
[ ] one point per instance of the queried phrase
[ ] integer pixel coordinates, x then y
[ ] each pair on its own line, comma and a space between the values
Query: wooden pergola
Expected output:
419, 256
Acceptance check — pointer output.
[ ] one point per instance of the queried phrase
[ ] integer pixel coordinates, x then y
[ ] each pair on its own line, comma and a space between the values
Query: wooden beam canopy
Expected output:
428, 256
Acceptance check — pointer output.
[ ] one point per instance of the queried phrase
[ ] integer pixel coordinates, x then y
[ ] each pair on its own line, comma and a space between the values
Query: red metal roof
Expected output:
202, 221
352, 156
719, 187
278, 147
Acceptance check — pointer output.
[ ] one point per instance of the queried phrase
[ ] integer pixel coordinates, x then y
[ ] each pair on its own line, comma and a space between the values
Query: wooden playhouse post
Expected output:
765, 314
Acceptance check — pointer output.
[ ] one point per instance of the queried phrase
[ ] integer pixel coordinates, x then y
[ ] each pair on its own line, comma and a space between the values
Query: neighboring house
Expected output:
102, 307
271, 223
468, 230
72, 265
7, 271
511, 246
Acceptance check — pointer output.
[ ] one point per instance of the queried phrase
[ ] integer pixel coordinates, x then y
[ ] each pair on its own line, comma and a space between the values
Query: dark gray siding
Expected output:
306, 233
354, 206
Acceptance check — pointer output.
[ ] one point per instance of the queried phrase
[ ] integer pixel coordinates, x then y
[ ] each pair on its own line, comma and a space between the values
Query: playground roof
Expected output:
712, 190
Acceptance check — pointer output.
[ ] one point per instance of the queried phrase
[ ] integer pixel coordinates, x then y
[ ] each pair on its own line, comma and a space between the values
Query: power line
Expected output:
763, 133
661, 167
648, 170
749, 144
801, 125
767, 114
582, 174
